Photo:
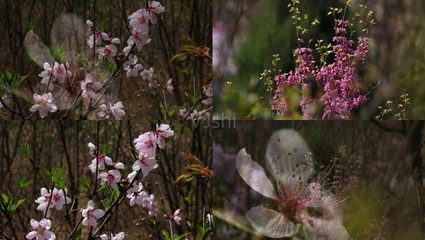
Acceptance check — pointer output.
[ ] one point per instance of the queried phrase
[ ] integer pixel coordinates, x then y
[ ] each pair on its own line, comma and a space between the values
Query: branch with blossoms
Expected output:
83, 85
329, 89
89, 200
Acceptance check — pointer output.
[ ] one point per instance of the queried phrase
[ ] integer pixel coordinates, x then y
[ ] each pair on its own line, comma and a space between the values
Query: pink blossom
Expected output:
90, 215
47, 76
146, 143
43, 200
337, 80
163, 131
116, 166
89, 87
291, 169
149, 203
148, 74
139, 20
61, 72
112, 177
154, 8
112, 111
98, 157
118, 236
138, 195
57, 200
176, 217
169, 86
146, 163
41, 230
43, 104
97, 36
108, 52
131, 176
140, 38
132, 67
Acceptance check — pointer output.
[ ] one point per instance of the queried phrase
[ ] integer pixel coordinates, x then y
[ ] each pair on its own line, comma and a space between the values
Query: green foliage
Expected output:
106, 148
56, 177
113, 194
268, 74
26, 150
204, 230
9, 81
59, 54
166, 235
7, 205
22, 182
394, 111
85, 183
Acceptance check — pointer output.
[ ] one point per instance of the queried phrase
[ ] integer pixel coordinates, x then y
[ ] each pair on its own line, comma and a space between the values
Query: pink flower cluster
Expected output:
140, 20
58, 72
108, 171
98, 37
113, 111
49, 199
338, 80
146, 145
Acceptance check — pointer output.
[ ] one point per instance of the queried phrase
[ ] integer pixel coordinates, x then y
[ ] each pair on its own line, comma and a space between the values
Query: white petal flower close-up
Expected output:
290, 165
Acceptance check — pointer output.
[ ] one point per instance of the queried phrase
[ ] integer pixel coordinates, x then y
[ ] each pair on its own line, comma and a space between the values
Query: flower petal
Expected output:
254, 175
286, 156
270, 223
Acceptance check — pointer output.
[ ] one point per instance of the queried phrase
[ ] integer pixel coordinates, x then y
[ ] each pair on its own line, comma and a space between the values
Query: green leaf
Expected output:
85, 183
189, 199
22, 183
165, 235
26, 150
46, 172
5, 200
58, 178
17, 204
106, 148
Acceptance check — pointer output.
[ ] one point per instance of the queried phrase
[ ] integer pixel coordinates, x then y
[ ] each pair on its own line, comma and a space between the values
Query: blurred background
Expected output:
246, 34
386, 200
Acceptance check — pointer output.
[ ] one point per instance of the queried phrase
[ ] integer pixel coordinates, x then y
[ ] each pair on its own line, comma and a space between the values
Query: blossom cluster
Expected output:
338, 80
146, 145
56, 198
107, 170
106, 48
